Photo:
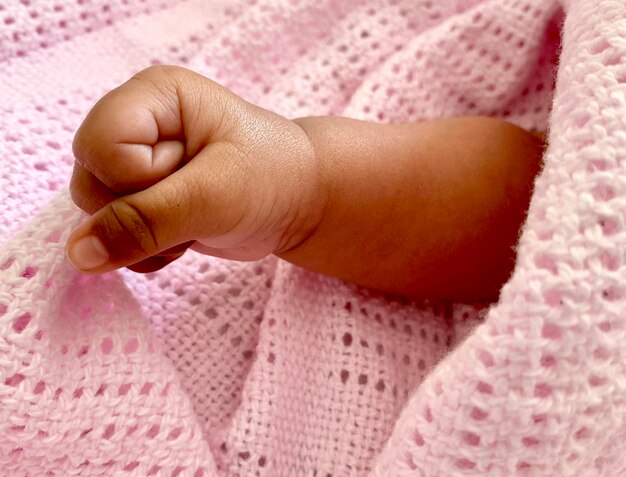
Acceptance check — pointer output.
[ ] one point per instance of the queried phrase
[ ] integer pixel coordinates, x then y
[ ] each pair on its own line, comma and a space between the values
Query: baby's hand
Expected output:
171, 159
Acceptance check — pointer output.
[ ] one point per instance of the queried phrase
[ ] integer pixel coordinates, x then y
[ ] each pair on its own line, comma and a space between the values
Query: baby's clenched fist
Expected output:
171, 159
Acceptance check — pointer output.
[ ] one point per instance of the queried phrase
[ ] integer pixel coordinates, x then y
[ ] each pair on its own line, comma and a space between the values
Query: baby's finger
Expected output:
132, 228
88, 192
151, 222
134, 136
91, 195
155, 263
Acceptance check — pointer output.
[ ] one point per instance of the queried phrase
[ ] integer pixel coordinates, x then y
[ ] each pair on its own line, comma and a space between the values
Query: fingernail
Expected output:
87, 253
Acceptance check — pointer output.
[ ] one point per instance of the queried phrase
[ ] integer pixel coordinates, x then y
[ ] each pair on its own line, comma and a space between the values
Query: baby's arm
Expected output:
428, 209
170, 159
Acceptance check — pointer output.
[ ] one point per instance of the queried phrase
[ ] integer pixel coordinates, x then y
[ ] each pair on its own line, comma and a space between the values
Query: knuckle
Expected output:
87, 144
76, 194
161, 77
159, 70
133, 230
79, 200
79, 192
78, 146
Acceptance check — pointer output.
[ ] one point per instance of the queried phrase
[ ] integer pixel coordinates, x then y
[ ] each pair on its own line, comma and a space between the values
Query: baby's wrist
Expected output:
314, 199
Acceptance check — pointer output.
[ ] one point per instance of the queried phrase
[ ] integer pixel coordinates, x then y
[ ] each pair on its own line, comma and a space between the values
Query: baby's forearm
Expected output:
430, 209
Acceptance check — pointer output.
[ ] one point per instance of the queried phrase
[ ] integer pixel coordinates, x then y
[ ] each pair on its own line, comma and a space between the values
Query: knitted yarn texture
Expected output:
218, 368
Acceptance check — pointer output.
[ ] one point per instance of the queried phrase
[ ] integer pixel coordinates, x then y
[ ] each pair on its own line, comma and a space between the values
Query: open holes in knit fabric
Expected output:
235, 338
14, 380
21, 322
30, 27
7, 263
29, 272
107, 345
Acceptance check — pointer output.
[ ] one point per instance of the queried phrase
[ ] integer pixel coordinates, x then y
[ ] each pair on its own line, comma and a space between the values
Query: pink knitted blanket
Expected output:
217, 368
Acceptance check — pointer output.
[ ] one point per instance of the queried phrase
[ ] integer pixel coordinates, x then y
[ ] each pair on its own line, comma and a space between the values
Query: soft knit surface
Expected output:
217, 368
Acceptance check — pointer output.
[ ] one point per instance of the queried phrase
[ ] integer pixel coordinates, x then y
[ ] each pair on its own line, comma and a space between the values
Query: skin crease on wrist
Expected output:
429, 209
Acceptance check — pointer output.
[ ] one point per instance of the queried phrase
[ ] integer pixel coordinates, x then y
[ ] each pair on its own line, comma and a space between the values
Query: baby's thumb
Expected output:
134, 227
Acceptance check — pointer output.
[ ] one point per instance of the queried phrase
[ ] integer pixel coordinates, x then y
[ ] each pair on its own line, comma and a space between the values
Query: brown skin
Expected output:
428, 209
